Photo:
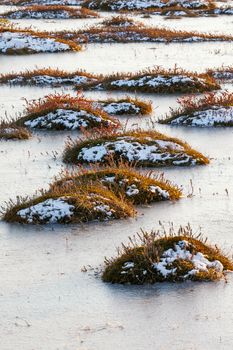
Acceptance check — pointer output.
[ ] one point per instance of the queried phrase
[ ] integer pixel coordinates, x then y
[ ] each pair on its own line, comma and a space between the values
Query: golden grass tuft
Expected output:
140, 261
90, 203
100, 149
10, 131
124, 180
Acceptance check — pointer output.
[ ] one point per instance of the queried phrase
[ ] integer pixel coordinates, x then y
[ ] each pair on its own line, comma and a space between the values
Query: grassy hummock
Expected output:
10, 131
126, 106
40, 2
140, 147
48, 76
90, 203
126, 30
64, 112
18, 41
212, 109
124, 181
154, 80
224, 73
173, 257
126, 5
49, 12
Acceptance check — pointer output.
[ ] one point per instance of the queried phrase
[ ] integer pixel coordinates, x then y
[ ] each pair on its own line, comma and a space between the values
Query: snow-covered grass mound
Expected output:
137, 32
41, 2
155, 80
209, 110
64, 112
49, 12
119, 5
126, 105
48, 76
124, 181
90, 203
16, 41
222, 73
140, 147
151, 258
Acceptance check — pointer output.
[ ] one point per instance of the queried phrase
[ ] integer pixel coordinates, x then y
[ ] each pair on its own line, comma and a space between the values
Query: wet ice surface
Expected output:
46, 301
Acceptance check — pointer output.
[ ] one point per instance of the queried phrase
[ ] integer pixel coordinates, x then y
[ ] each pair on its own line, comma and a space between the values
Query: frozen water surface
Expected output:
46, 301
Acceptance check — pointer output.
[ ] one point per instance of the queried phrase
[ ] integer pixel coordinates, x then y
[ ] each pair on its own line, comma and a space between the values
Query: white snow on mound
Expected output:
157, 81
210, 117
66, 119
163, 193
131, 150
39, 15
181, 251
144, 4
20, 41
50, 211
50, 14
115, 108
50, 80
225, 75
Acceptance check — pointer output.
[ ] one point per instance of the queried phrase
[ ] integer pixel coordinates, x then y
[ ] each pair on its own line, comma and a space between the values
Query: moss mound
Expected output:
140, 147
173, 258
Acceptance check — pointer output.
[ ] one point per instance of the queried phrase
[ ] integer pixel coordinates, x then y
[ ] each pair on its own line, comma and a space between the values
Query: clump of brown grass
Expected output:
89, 203
10, 131
132, 147
121, 21
172, 256
124, 180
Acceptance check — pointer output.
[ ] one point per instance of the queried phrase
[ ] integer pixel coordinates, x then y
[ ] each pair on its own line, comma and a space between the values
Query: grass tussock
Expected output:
30, 37
222, 73
60, 112
151, 80
113, 5
9, 130
140, 147
127, 105
137, 32
49, 11
152, 257
16, 133
124, 180
51, 76
89, 203
212, 109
